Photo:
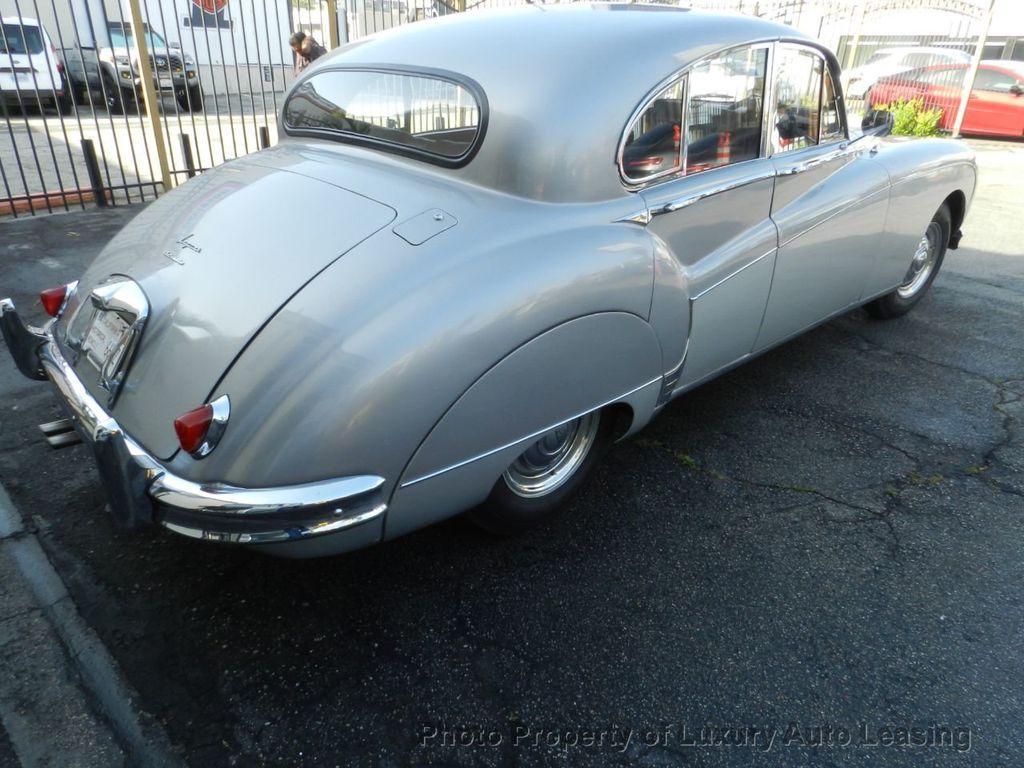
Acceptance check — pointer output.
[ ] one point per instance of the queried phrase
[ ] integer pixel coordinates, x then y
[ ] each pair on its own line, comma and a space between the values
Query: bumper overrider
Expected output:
141, 490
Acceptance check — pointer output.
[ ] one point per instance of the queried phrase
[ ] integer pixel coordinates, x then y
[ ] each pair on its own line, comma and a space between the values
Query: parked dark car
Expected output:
112, 71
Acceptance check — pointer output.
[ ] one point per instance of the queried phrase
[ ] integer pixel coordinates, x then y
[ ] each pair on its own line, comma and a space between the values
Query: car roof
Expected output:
561, 82
24, 21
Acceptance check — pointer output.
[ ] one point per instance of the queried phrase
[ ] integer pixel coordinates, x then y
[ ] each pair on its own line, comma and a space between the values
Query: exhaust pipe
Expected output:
60, 433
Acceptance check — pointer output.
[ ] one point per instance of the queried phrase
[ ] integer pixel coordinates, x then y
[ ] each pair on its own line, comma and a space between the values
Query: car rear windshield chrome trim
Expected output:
468, 83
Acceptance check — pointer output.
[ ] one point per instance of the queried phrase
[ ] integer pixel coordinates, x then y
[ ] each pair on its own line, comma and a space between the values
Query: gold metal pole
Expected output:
333, 39
851, 48
149, 94
972, 70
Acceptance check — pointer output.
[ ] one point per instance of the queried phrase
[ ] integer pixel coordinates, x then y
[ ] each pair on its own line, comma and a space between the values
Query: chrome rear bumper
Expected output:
141, 489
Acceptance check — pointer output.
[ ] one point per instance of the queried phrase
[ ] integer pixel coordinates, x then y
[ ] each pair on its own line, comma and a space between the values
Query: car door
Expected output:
712, 212
995, 107
830, 201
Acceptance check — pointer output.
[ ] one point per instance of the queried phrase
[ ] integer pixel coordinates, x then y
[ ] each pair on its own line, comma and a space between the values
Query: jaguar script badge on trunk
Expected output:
177, 258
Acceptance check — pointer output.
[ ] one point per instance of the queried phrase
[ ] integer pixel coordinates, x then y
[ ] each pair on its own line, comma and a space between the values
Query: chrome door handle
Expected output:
814, 162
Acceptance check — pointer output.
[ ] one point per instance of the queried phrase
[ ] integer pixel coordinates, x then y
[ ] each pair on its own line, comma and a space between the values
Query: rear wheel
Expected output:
545, 476
922, 271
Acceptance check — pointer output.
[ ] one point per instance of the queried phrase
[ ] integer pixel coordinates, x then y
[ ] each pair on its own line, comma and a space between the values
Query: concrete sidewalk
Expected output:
62, 699
43, 704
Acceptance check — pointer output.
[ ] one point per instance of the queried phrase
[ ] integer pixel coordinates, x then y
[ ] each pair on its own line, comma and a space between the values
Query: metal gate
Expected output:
108, 102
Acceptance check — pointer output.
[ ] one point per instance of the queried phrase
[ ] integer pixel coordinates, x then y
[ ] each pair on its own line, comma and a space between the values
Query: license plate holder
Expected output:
105, 332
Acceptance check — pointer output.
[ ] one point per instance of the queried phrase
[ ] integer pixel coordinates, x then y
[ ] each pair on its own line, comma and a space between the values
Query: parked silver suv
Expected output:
113, 71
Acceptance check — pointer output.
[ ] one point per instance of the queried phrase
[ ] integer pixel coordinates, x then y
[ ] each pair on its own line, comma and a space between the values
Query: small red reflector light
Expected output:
53, 298
191, 427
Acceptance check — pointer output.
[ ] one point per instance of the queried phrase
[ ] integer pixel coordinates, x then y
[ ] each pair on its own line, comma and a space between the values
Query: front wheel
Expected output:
65, 102
545, 476
923, 269
119, 101
191, 100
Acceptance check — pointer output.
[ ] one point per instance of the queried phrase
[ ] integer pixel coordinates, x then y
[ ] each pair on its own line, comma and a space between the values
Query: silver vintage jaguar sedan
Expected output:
487, 247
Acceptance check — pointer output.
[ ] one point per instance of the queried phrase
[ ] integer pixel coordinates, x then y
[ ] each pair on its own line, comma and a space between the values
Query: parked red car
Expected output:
996, 106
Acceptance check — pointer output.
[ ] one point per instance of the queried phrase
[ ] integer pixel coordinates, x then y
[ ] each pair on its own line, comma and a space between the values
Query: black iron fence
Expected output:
109, 102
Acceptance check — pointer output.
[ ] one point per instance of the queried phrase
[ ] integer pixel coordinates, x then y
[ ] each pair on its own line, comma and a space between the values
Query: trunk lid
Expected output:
216, 259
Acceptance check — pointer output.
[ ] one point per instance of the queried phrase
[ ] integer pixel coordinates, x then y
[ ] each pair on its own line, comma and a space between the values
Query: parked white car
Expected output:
892, 61
30, 74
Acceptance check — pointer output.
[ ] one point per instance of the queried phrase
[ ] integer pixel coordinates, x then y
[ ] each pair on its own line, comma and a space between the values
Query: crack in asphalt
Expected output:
979, 281
923, 473
1007, 424
915, 356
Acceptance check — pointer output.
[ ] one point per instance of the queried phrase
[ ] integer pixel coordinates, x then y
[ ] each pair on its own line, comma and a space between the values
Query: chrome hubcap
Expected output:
553, 459
923, 263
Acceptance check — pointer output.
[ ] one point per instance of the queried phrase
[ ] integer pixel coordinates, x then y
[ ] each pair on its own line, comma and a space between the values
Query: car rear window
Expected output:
20, 39
410, 113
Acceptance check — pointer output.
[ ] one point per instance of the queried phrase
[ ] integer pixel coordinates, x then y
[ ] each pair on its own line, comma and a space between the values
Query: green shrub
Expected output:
912, 118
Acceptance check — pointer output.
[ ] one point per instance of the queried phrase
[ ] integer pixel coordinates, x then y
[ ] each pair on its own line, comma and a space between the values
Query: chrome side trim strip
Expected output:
670, 381
733, 274
530, 436
814, 162
684, 201
643, 218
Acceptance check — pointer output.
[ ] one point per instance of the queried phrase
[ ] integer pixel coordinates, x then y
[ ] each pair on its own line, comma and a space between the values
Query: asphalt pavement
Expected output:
814, 560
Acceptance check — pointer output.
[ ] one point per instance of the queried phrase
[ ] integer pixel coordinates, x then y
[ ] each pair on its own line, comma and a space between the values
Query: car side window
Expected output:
991, 80
831, 121
724, 109
797, 99
652, 145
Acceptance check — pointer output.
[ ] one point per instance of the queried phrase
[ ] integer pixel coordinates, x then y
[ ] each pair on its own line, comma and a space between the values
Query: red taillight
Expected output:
191, 427
53, 299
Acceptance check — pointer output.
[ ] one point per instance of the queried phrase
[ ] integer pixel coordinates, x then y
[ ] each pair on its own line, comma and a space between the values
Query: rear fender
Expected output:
577, 367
